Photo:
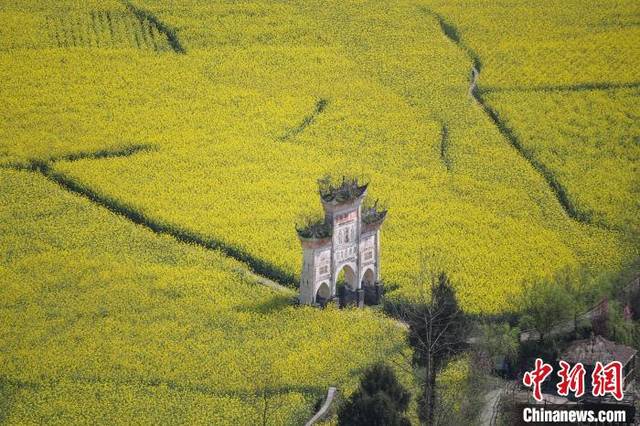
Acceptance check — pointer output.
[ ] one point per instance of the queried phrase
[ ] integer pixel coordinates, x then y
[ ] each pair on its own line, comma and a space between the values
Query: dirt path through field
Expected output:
490, 407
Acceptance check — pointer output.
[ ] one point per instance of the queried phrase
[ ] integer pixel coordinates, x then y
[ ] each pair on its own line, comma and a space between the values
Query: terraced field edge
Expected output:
320, 106
169, 32
266, 273
451, 32
581, 87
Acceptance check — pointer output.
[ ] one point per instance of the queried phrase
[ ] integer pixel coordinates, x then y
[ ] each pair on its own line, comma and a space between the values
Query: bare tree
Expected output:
436, 332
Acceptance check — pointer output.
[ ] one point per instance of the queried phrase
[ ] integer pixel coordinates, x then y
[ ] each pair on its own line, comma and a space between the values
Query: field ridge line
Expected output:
126, 151
169, 32
257, 270
580, 87
451, 32
319, 108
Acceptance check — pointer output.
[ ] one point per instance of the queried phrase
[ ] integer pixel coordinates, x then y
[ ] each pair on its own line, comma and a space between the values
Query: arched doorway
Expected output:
323, 294
368, 279
347, 285
346, 276
372, 289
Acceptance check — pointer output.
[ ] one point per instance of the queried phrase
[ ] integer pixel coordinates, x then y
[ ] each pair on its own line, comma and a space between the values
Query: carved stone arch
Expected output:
323, 293
350, 276
368, 276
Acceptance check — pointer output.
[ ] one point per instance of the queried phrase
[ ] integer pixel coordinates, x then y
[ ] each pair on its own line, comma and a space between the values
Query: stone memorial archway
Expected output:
346, 240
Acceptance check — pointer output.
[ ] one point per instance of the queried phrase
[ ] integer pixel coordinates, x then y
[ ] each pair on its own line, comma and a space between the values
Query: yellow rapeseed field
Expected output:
392, 81
562, 77
215, 119
103, 319
592, 143
531, 44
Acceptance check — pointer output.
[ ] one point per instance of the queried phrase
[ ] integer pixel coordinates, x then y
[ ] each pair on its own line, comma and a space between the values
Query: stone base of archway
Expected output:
373, 293
369, 294
321, 301
348, 297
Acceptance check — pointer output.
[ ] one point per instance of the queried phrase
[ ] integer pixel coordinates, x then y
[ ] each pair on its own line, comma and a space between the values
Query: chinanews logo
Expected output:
592, 394
605, 379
